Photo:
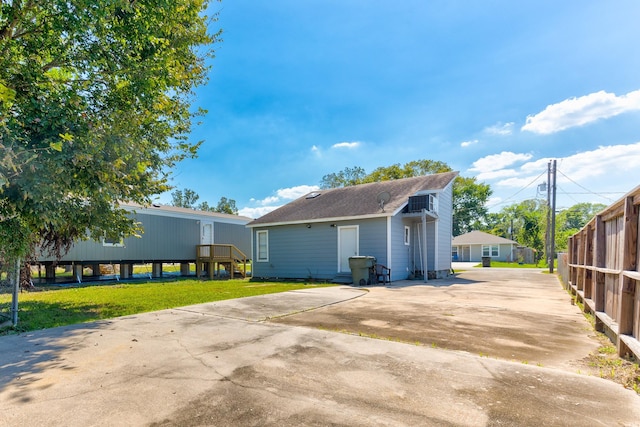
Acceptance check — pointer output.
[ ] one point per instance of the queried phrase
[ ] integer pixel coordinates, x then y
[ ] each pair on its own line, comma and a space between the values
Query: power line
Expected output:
586, 189
517, 192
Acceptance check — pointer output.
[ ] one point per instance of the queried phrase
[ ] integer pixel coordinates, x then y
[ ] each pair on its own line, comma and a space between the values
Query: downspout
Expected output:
436, 248
425, 273
389, 260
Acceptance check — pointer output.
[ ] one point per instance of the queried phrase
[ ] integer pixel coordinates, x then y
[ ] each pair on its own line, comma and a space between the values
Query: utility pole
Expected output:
552, 235
547, 246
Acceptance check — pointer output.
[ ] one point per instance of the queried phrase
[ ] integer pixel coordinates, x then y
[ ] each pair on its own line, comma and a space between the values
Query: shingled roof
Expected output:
355, 201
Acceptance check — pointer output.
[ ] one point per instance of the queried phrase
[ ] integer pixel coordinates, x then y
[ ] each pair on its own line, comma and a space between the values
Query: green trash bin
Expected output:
360, 266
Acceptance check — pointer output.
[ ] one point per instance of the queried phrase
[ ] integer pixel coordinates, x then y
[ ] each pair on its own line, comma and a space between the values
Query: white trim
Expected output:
204, 224
407, 235
258, 233
389, 245
322, 220
490, 246
436, 251
340, 228
172, 211
120, 244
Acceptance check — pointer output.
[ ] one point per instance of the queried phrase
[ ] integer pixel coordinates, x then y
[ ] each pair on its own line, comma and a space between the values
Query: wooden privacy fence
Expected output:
602, 263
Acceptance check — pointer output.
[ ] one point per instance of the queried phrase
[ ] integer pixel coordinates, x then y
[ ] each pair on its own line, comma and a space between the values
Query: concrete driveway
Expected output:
488, 347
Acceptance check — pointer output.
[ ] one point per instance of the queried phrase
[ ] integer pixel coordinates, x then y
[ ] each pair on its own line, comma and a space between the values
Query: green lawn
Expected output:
50, 308
541, 264
501, 264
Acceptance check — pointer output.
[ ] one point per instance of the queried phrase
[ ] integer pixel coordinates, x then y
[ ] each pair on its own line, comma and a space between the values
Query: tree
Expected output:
227, 206
95, 109
469, 204
185, 199
469, 196
527, 221
571, 220
188, 198
344, 178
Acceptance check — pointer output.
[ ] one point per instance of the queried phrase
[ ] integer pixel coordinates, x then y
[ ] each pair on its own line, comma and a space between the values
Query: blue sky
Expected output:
495, 89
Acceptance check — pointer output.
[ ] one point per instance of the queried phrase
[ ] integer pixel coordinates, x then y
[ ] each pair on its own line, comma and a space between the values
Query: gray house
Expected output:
171, 235
474, 245
405, 224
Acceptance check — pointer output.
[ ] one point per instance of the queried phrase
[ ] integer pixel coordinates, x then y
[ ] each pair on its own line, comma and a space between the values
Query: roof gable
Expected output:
480, 238
356, 201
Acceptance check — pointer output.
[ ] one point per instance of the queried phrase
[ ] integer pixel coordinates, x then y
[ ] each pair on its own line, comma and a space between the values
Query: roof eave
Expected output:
321, 220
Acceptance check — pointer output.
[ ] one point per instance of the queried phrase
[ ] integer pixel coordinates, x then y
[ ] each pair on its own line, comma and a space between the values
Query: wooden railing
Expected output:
602, 262
217, 255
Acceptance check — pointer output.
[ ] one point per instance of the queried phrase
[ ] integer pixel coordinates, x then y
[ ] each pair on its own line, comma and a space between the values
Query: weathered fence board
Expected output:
601, 269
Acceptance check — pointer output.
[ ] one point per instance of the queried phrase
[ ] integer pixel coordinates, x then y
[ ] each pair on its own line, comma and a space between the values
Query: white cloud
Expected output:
295, 192
496, 162
465, 144
580, 111
256, 212
267, 201
610, 161
600, 175
498, 174
347, 145
500, 129
271, 203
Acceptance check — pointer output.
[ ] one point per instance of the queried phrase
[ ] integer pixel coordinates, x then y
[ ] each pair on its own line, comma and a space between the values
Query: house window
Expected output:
407, 234
113, 240
263, 246
454, 253
490, 250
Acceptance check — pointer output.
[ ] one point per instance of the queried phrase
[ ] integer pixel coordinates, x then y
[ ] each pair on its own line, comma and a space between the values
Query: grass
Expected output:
502, 264
606, 363
59, 307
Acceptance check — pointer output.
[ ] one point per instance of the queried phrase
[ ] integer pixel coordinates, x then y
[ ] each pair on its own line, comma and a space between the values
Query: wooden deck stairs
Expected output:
211, 259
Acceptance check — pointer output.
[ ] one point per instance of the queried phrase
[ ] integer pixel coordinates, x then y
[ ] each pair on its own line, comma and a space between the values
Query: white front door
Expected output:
206, 233
347, 246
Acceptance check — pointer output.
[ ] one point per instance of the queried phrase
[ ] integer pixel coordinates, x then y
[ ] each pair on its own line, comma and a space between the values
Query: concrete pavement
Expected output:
284, 359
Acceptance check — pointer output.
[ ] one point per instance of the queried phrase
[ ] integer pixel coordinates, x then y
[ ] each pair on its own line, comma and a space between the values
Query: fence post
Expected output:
627, 285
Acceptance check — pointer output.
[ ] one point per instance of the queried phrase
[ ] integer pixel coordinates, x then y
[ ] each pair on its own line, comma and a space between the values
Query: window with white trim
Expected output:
407, 235
490, 250
262, 238
454, 253
113, 241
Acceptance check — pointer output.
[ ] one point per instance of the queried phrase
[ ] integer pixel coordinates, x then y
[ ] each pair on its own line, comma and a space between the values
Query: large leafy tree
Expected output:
469, 196
571, 220
95, 108
524, 222
186, 198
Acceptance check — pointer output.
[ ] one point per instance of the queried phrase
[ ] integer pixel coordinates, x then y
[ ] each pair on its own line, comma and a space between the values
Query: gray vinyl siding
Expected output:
165, 239
445, 229
299, 252
401, 263
238, 235
476, 252
373, 239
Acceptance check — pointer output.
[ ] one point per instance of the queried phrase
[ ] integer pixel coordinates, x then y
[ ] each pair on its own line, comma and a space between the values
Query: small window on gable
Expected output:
113, 240
407, 235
